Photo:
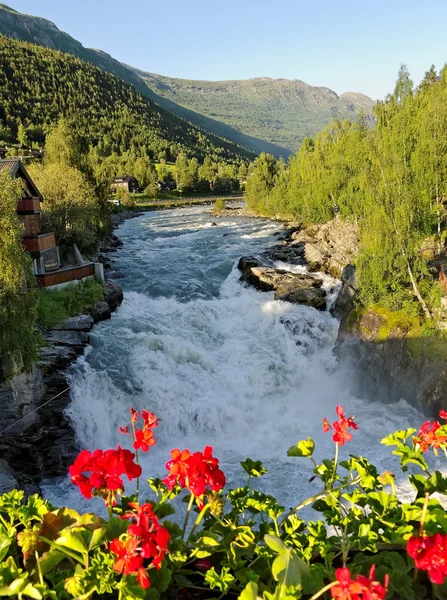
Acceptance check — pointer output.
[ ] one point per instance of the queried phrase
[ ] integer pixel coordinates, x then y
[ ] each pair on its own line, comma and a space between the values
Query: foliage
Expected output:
392, 179
53, 306
367, 543
219, 205
17, 312
277, 114
38, 86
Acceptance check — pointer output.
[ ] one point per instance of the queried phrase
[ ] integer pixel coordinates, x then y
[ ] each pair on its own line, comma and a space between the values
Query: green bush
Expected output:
53, 306
219, 206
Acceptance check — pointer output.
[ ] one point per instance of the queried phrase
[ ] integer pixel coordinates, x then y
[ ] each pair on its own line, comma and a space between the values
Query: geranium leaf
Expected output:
304, 448
250, 591
275, 543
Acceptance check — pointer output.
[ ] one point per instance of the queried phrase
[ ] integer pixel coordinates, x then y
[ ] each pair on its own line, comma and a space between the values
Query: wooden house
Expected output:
42, 247
128, 183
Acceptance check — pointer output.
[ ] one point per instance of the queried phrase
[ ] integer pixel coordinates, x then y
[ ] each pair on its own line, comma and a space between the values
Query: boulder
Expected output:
78, 323
344, 303
101, 311
312, 296
77, 339
291, 287
114, 294
314, 256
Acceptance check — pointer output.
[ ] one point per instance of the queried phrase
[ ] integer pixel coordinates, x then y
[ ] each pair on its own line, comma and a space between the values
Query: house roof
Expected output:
125, 179
15, 167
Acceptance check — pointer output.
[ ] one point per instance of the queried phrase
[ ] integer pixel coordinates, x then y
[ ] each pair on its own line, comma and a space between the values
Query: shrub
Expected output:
239, 544
53, 306
219, 205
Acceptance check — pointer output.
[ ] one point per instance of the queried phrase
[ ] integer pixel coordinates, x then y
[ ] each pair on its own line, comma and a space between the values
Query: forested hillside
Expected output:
392, 179
38, 86
45, 33
281, 111
262, 115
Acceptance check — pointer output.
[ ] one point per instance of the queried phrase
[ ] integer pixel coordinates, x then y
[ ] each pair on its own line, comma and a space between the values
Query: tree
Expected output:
261, 182
70, 207
17, 298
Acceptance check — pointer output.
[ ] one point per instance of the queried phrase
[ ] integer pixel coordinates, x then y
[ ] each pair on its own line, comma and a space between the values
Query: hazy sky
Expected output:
341, 44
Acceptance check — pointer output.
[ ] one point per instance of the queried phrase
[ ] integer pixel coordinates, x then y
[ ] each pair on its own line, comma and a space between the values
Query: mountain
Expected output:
45, 33
281, 111
39, 85
262, 115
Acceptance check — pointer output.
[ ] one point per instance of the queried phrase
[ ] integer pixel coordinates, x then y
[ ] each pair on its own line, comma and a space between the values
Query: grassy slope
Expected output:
281, 111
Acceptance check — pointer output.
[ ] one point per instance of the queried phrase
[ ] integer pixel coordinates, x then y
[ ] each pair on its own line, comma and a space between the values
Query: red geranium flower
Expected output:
347, 588
360, 588
142, 438
100, 473
340, 427
373, 590
430, 554
429, 436
195, 471
152, 537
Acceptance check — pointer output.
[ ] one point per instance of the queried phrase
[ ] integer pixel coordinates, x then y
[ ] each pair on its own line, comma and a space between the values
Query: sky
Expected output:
341, 44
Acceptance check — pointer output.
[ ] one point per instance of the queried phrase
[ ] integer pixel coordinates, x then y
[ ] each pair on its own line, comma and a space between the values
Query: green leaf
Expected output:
73, 541
250, 591
275, 543
287, 568
50, 559
220, 580
304, 448
254, 468
5, 543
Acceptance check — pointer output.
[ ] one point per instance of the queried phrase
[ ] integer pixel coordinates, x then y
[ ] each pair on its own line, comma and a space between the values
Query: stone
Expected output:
113, 294
101, 311
349, 276
7, 479
78, 339
314, 256
314, 297
77, 323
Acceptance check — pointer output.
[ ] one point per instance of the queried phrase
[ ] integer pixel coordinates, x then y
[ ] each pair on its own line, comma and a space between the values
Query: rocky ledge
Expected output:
291, 287
324, 248
36, 438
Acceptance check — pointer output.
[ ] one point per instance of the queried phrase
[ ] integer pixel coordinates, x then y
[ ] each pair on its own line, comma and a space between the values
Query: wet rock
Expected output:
101, 311
113, 294
77, 323
312, 296
290, 254
344, 303
78, 339
246, 263
7, 479
290, 287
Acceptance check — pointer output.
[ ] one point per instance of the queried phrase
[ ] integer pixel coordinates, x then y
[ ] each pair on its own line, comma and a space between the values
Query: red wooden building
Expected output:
42, 247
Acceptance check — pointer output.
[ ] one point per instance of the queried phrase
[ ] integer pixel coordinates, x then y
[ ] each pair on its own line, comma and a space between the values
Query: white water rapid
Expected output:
220, 363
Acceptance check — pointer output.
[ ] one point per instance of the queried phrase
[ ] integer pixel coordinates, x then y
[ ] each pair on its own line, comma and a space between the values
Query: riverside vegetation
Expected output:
391, 179
240, 543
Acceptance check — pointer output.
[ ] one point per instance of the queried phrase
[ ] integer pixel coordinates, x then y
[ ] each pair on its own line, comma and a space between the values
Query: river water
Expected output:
220, 363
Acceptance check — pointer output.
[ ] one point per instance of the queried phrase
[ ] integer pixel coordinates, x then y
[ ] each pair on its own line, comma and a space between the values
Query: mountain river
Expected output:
220, 363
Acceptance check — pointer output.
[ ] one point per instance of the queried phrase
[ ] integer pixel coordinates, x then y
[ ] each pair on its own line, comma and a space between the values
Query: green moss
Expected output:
53, 306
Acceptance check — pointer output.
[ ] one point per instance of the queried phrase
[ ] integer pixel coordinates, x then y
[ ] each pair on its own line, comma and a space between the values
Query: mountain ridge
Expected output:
273, 128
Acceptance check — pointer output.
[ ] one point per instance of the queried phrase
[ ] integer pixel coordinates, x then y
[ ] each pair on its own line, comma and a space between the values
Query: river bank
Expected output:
36, 438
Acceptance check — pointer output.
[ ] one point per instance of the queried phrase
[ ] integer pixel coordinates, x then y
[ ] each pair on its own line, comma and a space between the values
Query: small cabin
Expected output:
128, 183
42, 247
